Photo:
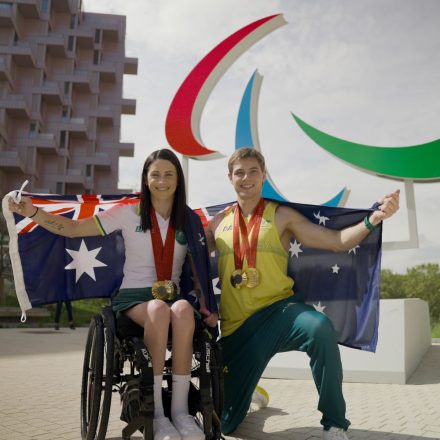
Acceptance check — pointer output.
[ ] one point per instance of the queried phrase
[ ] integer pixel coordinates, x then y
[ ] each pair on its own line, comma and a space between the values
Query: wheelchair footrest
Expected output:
142, 423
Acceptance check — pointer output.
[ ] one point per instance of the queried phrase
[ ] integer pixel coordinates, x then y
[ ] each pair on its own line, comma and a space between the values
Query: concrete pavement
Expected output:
40, 376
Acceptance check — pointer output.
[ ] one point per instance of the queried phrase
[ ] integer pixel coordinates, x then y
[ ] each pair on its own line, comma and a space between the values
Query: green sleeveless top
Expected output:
238, 304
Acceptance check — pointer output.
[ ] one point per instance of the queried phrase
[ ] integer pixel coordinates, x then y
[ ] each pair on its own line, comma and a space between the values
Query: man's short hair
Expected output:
244, 153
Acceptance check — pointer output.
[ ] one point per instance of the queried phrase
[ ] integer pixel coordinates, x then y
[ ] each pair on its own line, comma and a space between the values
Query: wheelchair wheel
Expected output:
207, 417
97, 379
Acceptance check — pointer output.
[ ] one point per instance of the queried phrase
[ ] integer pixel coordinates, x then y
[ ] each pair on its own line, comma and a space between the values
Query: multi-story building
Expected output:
61, 75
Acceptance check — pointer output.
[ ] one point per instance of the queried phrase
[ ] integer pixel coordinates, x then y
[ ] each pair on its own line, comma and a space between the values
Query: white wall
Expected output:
404, 338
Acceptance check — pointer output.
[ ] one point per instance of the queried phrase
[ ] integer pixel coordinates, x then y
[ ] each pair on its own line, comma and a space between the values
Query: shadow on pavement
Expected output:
24, 342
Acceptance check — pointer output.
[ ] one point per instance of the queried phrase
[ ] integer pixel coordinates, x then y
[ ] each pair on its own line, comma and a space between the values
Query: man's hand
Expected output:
389, 205
211, 318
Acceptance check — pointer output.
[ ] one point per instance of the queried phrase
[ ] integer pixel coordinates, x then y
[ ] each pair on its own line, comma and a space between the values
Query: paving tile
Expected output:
40, 377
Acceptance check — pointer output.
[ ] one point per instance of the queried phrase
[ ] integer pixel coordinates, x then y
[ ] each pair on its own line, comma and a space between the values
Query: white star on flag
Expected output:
354, 249
322, 219
295, 249
335, 268
319, 307
84, 261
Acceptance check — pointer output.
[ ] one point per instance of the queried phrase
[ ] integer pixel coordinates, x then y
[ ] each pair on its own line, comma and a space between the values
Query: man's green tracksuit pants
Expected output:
283, 326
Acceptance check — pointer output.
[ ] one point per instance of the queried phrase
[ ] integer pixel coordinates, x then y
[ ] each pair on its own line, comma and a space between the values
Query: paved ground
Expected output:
40, 374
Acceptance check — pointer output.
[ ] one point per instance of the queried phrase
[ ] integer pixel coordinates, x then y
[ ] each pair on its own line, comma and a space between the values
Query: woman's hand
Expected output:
24, 207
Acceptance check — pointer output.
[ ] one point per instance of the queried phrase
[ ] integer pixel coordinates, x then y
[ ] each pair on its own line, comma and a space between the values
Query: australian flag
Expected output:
345, 286
49, 268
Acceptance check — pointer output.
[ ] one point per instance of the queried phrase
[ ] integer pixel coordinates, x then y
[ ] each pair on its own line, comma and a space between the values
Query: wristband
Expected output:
369, 225
35, 213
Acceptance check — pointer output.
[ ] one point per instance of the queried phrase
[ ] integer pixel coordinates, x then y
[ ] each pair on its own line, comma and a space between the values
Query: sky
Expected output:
364, 71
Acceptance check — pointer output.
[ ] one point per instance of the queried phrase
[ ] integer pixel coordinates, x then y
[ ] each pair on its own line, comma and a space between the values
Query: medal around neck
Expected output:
253, 277
165, 290
238, 279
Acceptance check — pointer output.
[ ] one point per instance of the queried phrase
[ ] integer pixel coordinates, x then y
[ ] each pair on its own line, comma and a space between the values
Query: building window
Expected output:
97, 36
72, 23
71, 43
6, 6
32, 129
96, 57
65, 113
63, 139
67, 88
88, 170
45, 6
15, 38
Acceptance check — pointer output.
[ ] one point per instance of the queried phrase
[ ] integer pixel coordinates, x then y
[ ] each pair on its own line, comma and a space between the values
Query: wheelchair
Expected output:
117, 361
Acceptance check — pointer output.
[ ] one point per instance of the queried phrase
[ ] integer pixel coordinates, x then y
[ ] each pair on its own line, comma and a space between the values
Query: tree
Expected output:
422, 281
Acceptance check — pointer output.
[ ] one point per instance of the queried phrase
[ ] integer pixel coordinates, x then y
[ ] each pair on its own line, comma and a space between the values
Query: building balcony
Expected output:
125, 149
107, 71
130, 66
12, 161
8, 16
128, 106
80, 128
105, 115
100, 160
23, 54
56, 44
6, 68
110, 30
51, 92
84, 37
64, 6
16, 106
29, 8
76, 176
45, 142
83, 81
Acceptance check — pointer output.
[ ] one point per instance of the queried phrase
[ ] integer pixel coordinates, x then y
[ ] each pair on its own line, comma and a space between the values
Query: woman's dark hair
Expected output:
179, 203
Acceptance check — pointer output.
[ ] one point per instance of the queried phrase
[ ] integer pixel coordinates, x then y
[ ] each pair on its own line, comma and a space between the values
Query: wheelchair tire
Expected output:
95, 409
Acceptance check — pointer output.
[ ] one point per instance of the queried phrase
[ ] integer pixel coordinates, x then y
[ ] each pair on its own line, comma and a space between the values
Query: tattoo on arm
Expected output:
53, 225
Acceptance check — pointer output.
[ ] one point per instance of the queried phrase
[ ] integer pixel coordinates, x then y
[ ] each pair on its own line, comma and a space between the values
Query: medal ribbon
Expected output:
163, 254
241, 230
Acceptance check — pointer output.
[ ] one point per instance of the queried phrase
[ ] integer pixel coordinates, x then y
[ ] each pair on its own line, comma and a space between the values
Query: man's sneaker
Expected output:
187, 427
334, 434
164, 430
260, 397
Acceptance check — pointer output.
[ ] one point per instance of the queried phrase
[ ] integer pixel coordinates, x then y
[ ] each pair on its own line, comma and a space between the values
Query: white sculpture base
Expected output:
404, 338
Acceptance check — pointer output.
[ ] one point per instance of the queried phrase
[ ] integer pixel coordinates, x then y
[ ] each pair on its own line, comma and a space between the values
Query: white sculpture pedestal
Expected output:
404, 338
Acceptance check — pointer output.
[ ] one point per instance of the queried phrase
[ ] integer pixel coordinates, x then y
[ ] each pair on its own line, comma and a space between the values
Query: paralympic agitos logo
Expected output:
417, 163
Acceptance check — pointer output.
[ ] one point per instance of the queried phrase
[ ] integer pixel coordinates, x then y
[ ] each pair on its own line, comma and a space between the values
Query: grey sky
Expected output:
365, 71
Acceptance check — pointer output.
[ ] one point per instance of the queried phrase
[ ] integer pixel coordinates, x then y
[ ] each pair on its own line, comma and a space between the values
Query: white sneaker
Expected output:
164, 430
187, 427
260, 397
334, 434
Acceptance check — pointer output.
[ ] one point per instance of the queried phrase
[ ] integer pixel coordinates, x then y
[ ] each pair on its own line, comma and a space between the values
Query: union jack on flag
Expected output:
49, 268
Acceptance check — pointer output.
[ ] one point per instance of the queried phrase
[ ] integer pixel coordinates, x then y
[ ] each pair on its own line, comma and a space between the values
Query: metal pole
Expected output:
185, 168
413, 241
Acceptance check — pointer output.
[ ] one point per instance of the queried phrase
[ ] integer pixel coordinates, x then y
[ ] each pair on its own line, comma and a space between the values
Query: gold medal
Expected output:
164, 290
253, 277
238, 279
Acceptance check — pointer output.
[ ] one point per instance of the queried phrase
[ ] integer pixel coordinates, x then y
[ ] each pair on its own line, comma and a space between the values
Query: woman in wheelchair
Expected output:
159, 233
